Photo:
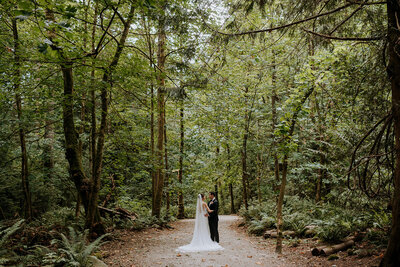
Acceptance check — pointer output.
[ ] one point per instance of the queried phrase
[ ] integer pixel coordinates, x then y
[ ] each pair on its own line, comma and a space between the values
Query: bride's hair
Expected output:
202, 195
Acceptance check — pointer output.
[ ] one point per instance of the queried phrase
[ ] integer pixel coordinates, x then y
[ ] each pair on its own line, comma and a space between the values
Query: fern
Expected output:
74, 251
5, 234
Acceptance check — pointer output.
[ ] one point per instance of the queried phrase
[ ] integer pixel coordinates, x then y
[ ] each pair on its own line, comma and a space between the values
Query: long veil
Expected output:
199, 213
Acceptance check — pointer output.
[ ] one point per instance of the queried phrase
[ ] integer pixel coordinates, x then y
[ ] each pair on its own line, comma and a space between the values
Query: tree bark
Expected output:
280, 206
244, 153
24, 157
152, 65
392, 255
166, 166
181, 209
228, 166
160, 174
93, 216
274, 99
72, 152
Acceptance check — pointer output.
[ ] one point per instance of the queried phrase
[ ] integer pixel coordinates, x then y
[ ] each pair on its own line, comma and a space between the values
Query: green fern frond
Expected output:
9, 231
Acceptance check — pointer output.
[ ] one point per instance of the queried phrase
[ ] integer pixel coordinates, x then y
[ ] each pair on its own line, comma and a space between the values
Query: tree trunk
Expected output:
166, 165
274, 99
392, 255
181, 211
93, 219
152, 65
280, 206
93, 121
259, 167
244, 153
232, 201
284, 170
48, 161
24, 157
159, 177
228, 166
71, 137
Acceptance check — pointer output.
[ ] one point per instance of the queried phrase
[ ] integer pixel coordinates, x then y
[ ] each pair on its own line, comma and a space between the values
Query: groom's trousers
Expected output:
213, 223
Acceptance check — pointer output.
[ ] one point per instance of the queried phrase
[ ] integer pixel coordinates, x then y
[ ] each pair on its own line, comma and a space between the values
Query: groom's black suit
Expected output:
213, 220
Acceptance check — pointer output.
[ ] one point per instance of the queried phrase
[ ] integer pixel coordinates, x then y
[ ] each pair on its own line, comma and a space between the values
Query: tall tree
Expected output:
181, 209
392, 255
161, 56
24, 157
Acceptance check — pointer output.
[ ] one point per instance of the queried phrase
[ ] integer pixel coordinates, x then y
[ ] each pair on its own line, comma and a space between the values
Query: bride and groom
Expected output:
205, 235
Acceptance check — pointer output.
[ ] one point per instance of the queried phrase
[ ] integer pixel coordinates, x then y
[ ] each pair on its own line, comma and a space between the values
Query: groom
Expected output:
213, 217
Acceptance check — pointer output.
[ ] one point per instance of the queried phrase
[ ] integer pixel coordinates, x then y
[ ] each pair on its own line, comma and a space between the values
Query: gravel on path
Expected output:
154, 247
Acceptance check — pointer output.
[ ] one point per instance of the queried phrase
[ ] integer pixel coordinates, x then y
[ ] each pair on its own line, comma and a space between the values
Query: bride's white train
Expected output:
201, 240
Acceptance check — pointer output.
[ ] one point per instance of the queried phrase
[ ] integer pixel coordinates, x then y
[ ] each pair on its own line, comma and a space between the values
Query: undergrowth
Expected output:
331, 223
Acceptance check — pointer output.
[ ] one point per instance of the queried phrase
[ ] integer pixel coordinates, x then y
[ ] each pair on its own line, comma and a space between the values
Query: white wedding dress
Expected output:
201, 240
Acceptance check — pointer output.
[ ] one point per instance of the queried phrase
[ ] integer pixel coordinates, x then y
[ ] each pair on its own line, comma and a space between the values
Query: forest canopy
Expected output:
133, 107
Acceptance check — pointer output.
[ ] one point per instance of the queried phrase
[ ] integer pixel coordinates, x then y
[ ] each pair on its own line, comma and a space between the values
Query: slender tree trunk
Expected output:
280, 206
24, 157
152, 172
166, 165
160, 174
232, 201
217, 182
221, 195
228, 166
244, 154
152, 65
181, 209
48, 160
322, 157
392, 255
93, 220
93, 97
259, 178
274, 99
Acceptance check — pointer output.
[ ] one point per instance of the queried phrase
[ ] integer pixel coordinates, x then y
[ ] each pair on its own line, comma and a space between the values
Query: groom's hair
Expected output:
212, 193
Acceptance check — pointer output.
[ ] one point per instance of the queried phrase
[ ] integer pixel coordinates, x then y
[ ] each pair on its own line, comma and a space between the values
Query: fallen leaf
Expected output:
258, 263
203, 260
178, 255
249, 256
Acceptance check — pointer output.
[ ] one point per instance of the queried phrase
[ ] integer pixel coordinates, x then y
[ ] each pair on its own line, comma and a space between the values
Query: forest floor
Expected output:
155, 247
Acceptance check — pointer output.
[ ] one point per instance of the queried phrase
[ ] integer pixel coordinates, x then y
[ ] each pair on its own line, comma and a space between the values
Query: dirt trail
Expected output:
155, 247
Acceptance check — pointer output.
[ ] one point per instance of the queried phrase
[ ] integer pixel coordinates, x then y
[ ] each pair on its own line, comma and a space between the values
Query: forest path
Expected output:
154, 247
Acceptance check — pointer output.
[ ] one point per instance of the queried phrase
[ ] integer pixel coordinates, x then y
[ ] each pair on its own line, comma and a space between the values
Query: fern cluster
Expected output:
331, 223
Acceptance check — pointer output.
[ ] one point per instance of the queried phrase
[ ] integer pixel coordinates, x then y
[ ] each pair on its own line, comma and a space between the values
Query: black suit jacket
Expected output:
213, 205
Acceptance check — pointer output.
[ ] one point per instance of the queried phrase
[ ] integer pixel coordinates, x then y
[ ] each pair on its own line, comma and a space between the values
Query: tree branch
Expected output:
326, 36
286, 25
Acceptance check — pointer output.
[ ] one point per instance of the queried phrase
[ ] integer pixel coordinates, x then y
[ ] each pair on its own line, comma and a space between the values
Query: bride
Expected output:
201, 240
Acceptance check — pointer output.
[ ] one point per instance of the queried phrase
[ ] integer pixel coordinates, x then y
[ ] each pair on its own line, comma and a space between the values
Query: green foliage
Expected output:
60, 218
331, 223
74, 250
7, 254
